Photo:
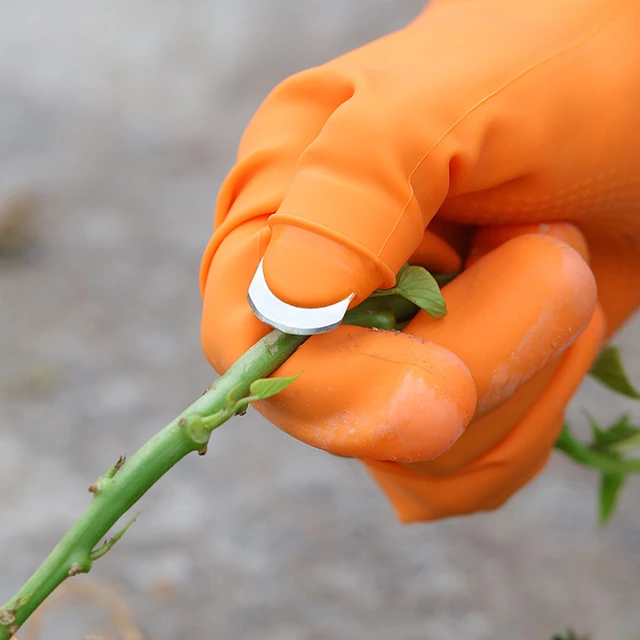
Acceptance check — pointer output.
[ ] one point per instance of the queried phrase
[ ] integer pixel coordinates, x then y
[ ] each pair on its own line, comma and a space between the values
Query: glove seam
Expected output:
338, 237
580, 42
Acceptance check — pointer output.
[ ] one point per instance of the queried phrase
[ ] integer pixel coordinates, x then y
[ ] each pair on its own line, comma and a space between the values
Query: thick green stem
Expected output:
125, 483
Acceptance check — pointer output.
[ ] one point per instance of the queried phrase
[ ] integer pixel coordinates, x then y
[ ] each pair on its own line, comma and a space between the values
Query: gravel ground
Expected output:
120, 119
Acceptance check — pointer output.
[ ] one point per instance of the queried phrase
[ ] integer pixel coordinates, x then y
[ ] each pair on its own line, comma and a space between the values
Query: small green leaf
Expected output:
267, 387
402, 271
631, 441
620, 435
610, 485
609, 370
569, 635
604, 454
420, 287
597, 430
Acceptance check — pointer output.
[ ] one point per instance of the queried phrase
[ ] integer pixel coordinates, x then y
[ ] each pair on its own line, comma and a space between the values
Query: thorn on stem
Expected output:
208, 389
109, 544
94, 488
116, 467
203, 451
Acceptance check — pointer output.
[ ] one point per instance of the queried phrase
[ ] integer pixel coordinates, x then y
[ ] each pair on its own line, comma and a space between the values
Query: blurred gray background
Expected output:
118, 122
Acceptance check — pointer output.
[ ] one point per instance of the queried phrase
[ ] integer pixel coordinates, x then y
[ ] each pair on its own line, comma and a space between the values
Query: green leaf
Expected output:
569, 635
420, 287
604, 454
267, 387
620, 435
610, 485
597, 430
402, 271
609, 370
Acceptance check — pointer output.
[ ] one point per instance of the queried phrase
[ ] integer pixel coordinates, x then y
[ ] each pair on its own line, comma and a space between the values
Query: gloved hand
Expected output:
494, 134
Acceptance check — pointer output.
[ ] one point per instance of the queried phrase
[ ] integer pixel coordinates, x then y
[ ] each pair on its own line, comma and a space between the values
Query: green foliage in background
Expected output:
605, 451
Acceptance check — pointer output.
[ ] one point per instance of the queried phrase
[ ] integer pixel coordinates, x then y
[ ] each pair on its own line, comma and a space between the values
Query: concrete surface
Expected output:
121, 118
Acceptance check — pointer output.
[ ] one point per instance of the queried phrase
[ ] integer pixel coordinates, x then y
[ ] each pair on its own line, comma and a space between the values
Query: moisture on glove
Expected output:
489, 135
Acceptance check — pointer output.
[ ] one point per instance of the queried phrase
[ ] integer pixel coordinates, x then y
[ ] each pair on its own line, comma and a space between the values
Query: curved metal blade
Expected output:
288, 318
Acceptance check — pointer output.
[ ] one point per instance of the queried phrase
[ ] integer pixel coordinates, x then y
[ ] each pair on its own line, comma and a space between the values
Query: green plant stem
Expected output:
115, 495
587, 456
125, 483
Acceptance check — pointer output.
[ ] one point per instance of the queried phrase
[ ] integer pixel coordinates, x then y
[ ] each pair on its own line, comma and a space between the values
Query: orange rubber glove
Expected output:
494, 134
